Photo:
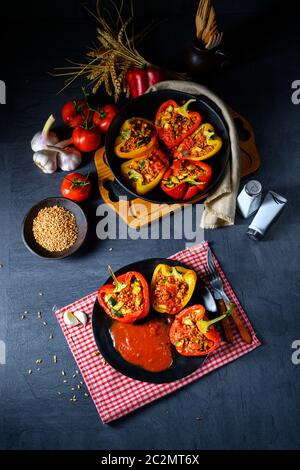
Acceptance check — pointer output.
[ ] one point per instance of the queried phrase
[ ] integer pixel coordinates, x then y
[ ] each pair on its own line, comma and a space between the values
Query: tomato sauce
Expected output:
146, 345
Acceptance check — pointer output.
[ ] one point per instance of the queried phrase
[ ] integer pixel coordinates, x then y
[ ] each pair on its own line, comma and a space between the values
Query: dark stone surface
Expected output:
252, 403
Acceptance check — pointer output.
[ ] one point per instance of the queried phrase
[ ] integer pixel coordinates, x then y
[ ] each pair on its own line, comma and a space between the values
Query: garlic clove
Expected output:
81, 317
46, 160
70, 319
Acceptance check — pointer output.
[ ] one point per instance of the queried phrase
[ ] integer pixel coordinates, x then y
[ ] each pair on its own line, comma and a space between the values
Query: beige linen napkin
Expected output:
220, 204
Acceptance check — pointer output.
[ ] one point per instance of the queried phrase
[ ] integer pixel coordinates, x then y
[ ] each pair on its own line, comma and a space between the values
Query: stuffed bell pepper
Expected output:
185, 179
144, 173
193, 334
137, 137
174, 123
171, 288
202, 144
127, 299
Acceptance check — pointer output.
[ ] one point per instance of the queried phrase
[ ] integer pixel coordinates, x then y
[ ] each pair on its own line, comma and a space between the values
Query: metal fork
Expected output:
222, 308
222, 301
215, 280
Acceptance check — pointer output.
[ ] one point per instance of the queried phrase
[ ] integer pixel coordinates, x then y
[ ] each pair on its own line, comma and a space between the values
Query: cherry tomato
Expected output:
86, 140
103, 117
75, 112
76, 187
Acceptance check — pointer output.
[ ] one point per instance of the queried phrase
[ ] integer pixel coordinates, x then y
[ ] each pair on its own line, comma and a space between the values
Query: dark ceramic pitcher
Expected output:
201, 62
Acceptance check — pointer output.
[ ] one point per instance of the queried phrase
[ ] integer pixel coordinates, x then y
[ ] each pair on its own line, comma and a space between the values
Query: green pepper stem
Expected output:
204, 325
118, 285
184, 107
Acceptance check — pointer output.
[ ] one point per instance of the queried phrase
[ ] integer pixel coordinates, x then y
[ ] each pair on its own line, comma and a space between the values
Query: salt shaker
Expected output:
249, 199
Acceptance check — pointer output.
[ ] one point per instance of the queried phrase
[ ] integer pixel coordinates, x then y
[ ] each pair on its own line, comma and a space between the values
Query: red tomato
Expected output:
75, 112
86, 140
76, 187
103, 117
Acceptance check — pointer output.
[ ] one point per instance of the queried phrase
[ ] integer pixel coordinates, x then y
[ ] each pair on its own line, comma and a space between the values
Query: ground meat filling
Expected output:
175, 123
187, 171
189, 339
139, 135
170, 292
148, 168
196, 146
128, 300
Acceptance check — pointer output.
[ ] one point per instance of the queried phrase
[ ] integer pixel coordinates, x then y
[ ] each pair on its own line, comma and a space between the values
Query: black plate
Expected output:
146, 106
101, 322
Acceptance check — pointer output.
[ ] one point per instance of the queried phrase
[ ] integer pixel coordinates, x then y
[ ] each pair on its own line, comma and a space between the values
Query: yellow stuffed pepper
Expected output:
171, 288
202, 144
137, 137
144, 173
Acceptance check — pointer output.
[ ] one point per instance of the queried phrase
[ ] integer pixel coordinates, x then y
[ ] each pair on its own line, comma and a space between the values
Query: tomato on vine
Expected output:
103, 117
76, 187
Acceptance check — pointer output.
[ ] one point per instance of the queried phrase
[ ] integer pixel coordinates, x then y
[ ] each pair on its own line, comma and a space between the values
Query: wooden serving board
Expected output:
138, 213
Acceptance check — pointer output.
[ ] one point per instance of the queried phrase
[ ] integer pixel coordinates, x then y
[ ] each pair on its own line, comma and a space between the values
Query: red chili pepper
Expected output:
139, 80
174, 123
127, 299
185, 179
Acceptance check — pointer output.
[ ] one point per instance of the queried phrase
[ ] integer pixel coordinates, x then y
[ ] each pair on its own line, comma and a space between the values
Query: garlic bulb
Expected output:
41, 139
68, 158
46, 160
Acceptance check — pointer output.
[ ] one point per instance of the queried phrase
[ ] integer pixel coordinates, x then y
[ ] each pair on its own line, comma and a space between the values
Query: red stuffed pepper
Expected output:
127, 299
174, 123
185, 179
192, 333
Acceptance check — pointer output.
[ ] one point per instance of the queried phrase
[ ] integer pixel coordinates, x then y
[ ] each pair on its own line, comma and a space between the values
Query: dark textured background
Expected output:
252, 403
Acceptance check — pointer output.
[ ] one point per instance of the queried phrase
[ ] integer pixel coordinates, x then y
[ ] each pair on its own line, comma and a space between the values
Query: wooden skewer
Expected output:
212, 32
201, 17
211, 18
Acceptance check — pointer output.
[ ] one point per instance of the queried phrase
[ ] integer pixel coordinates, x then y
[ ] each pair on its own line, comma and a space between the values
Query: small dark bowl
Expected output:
27, 234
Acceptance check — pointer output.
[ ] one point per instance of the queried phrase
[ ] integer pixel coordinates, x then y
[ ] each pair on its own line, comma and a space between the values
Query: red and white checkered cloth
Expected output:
116, 395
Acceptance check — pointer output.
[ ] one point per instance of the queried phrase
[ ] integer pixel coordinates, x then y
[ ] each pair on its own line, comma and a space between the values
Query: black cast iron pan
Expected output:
146, 106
